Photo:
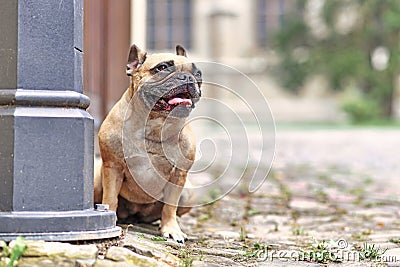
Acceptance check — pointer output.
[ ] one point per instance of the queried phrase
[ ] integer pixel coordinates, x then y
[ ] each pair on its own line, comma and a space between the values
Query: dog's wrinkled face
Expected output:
167, 84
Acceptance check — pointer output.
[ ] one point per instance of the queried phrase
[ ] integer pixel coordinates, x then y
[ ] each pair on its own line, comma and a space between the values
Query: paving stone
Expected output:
377, 211
309, 206
267, 204
384, 235
228, 234
284, 263
58, 249
204, 264
268, 189
125, 255
85, 263
229, 209
46, 262
212, 260
110, 263
143, 244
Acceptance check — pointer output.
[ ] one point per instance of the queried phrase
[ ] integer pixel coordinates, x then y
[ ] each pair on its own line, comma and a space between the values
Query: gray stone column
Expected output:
46, 135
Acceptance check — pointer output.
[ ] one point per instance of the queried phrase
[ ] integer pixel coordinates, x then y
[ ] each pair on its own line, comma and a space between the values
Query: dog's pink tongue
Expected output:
180, 101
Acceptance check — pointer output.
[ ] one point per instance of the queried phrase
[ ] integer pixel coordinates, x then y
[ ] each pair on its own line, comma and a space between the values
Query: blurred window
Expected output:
269, 19
169, 22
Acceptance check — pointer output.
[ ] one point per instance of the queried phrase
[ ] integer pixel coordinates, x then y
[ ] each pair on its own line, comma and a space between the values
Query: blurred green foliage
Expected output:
9, 254
360, 108
344, 54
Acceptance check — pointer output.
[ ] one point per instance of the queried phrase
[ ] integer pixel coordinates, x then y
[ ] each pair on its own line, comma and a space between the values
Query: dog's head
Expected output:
167, 84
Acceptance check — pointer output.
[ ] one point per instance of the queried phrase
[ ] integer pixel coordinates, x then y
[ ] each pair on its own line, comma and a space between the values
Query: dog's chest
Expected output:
150, 164
145, 177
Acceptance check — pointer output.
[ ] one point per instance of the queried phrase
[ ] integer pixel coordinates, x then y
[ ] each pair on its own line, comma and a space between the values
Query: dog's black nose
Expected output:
185, 77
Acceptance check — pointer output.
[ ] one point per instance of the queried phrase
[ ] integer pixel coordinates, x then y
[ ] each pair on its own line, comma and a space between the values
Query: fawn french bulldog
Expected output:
146, 144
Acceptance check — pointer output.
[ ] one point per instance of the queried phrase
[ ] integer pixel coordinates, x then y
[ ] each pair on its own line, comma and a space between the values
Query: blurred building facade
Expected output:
238, 34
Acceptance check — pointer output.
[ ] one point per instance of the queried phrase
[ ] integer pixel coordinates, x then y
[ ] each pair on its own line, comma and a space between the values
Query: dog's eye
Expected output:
198, 74
161, 67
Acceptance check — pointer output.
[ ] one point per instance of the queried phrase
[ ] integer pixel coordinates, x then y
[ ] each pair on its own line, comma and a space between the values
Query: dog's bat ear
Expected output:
136, 58
180, 51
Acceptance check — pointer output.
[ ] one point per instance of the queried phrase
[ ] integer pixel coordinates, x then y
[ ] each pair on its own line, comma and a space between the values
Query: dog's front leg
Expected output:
112, 178
172, 193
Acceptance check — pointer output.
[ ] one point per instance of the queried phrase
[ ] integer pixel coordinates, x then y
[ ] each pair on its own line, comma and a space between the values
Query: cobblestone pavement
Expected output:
331, 198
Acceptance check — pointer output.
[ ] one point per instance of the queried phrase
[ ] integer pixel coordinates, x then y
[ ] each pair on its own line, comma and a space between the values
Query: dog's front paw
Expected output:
172, 230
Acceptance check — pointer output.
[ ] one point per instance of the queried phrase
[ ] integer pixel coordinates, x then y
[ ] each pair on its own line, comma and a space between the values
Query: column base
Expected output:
59, 226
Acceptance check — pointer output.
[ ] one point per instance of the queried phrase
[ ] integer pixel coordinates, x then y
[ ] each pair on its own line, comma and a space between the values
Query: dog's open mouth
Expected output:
171, 101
